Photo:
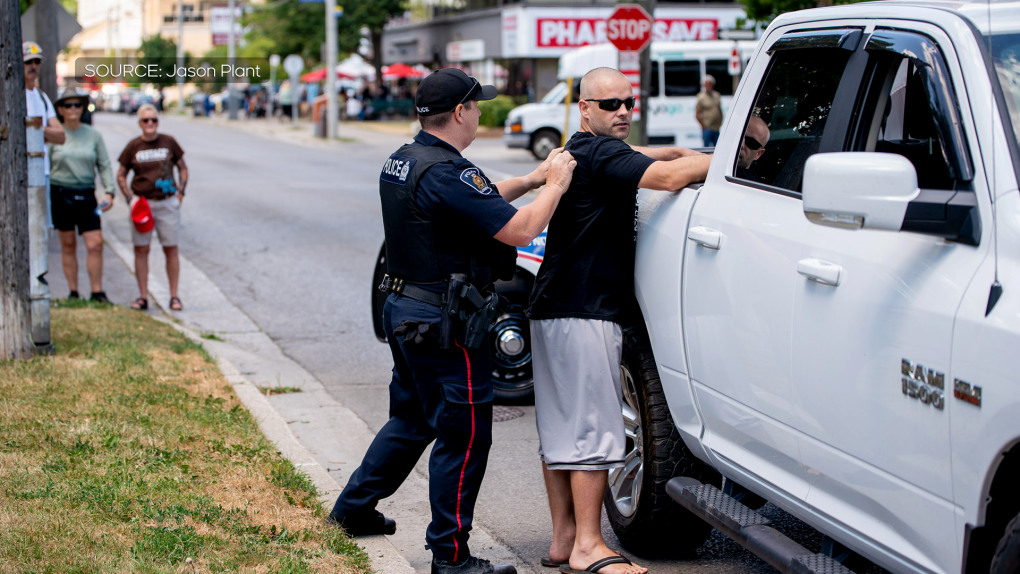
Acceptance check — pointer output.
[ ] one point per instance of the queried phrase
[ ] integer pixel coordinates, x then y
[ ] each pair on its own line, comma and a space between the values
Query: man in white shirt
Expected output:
39, 104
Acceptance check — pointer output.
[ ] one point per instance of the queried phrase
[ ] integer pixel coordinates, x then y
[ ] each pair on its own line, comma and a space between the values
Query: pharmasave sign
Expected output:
549, 32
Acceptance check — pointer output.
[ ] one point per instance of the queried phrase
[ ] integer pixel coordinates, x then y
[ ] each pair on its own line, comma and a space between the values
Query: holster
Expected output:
467, 311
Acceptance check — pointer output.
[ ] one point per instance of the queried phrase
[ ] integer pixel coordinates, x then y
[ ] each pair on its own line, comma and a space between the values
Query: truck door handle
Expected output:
705, 237
820, 271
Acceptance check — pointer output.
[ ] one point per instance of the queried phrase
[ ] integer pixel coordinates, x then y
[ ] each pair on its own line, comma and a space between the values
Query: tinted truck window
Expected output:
794, 102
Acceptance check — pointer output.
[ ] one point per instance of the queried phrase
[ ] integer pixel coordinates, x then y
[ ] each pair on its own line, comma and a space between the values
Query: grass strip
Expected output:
128, 451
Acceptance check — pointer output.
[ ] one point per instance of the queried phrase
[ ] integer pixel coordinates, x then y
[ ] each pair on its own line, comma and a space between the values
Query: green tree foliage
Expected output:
162, 52
373, 14
765, 10
292, 27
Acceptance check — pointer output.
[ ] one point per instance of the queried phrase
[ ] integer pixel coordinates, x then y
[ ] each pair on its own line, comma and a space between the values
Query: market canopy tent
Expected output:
402, 71
320, 75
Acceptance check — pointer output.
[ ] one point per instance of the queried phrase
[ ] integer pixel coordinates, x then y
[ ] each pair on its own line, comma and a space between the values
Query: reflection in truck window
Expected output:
794, 101
682, 78
1005, 50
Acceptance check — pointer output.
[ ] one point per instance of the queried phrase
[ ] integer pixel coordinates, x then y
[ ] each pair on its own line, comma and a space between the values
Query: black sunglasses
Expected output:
752, 143
474, 82
149, 120
613, 104
71, 105
34, 61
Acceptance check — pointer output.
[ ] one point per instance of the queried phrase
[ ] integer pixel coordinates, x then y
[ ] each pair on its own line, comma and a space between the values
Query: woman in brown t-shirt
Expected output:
152, 157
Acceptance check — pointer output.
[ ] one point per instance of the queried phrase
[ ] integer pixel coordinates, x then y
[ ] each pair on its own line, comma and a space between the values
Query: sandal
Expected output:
550, 563
175, 304
140, 304
597, 565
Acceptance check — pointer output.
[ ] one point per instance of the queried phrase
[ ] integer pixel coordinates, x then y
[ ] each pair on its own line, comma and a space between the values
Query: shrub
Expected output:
495, 111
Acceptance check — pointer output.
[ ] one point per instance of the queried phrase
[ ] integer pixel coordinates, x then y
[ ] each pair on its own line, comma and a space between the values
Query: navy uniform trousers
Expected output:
438, 395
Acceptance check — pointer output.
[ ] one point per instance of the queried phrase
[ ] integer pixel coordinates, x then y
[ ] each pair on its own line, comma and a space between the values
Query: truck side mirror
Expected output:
871, 190
856, 190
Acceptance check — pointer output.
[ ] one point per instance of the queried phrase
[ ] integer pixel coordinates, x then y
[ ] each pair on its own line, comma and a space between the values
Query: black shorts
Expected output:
74, 207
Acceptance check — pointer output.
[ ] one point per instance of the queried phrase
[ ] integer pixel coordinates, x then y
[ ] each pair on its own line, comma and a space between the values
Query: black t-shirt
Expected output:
588, 271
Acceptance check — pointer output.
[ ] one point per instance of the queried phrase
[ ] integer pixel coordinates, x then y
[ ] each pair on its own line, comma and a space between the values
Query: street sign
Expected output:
629, 28
734, 62
293, 64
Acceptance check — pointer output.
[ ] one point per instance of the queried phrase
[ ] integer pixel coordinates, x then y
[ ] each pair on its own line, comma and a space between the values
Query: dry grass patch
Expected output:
127, 451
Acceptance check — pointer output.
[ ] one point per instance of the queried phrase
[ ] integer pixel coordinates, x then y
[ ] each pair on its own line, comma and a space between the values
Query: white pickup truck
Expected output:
830, 328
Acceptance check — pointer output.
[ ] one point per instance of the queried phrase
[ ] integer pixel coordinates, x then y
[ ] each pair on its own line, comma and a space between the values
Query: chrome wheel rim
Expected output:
511, 350
625, 482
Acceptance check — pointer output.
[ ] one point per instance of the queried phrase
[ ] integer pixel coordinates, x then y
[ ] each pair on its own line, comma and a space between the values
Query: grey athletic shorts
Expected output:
578, 399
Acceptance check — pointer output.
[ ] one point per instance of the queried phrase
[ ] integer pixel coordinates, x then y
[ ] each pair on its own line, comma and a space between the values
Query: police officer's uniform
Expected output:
440, 214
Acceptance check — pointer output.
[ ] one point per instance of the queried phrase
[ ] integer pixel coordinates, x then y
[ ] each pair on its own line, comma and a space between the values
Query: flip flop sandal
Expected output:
140, 304
597, 565
550, 563
180, 306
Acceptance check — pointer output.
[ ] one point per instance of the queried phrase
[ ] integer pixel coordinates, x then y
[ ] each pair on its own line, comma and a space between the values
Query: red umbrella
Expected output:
401, 71
320, 75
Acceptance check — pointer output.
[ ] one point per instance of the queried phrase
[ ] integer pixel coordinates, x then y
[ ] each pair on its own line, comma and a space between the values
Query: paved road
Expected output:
290, 233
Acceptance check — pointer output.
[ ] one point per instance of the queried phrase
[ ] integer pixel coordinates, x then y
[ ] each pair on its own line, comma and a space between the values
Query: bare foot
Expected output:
580, 560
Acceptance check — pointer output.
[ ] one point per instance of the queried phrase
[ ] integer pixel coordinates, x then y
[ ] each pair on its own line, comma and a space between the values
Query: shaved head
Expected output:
605, 84
600, 80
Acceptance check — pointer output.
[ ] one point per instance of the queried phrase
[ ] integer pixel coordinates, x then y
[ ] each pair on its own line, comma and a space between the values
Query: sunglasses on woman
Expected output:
149, 120
752, 144
71, 105
613, 104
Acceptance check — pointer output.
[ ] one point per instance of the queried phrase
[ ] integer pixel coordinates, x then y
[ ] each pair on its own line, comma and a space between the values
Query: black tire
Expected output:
512, 378
656, 526
1007, 554
543, 142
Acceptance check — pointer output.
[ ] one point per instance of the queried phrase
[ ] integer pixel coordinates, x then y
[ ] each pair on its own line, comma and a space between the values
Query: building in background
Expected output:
516, 45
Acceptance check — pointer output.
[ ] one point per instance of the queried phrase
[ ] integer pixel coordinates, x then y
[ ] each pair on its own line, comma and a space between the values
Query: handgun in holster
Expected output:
464, 306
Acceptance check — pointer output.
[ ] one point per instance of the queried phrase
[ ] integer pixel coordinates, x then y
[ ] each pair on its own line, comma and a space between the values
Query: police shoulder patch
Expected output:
473, 177
396, 169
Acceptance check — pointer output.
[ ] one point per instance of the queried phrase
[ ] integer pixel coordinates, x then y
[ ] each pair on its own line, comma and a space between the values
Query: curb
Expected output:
383, 555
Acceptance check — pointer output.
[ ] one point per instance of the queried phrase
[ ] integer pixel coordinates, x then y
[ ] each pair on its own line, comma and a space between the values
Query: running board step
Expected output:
749, 529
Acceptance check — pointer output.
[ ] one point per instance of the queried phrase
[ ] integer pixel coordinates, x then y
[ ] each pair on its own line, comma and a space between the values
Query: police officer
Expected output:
444, 219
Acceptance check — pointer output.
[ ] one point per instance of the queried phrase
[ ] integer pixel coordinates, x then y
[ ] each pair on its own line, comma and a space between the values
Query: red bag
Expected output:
141, 215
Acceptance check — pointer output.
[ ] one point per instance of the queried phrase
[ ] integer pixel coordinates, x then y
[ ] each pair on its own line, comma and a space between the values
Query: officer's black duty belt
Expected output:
411, 291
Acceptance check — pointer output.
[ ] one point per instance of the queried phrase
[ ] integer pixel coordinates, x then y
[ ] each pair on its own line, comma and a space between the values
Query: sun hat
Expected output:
71, 94
141, 215
30, 51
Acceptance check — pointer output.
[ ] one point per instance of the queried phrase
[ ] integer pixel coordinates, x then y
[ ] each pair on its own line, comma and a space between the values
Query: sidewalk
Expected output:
311, 428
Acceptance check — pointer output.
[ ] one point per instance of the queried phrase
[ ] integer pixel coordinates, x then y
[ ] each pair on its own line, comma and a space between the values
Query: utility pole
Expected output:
15, 306
231, 57
646, 78
46, 34
331, 103
180, 54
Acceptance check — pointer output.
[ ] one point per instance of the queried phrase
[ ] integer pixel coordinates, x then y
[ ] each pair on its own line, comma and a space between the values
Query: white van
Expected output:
677, 69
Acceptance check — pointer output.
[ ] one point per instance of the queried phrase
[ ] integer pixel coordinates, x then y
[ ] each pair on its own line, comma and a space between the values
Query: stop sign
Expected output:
629, 28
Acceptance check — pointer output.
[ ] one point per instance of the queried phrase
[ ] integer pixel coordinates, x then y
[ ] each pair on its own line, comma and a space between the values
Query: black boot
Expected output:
374, 523
73, 295
470, 565
99, 297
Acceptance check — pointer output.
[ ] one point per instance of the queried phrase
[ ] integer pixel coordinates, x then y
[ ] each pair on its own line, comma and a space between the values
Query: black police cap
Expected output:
442, 90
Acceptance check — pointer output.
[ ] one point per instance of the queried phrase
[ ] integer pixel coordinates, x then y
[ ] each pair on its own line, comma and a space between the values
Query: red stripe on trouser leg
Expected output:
471, 441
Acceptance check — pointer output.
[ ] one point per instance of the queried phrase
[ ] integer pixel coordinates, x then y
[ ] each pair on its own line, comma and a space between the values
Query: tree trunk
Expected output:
377, 54
15, 307
46, 37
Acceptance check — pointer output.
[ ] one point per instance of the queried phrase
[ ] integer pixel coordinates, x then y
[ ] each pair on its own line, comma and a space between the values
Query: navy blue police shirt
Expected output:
459, 192
588, 271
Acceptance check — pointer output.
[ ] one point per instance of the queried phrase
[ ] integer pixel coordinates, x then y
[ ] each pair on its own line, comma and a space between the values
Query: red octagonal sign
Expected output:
629, 28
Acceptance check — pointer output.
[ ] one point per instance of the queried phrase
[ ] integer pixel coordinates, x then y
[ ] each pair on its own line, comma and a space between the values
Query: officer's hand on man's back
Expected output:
561, 170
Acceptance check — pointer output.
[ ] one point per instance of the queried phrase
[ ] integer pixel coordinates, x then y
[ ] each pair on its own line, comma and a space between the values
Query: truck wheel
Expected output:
1007, 555
544, 142
510, 342
645, 519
